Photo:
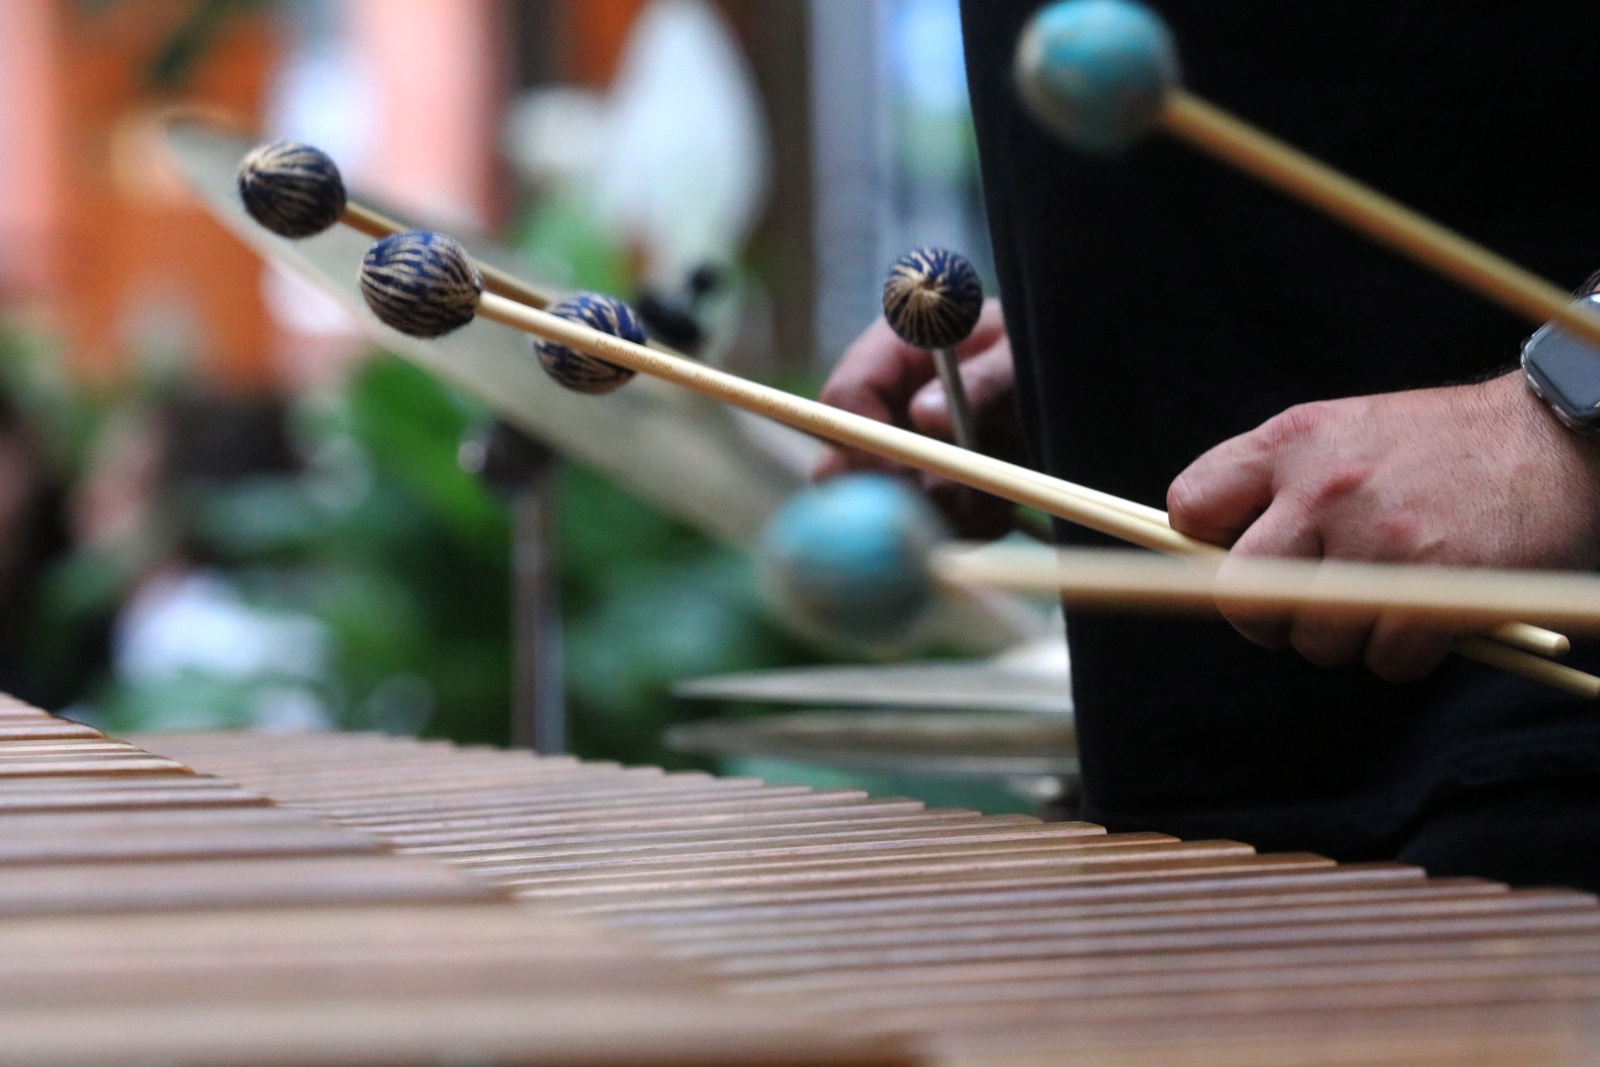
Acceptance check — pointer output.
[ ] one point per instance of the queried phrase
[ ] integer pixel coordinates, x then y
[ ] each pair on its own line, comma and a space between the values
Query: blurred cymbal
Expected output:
1005, 745
683, 453
948, 686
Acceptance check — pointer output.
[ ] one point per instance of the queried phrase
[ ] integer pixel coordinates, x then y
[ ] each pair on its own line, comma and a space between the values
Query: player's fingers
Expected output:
834, 462
1402, 649
837, 461
1283, 530
990, 379
1329, 640
877, 376
989, 331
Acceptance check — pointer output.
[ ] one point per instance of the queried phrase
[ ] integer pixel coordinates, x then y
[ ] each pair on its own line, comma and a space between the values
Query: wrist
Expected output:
1524, 411
1566, 461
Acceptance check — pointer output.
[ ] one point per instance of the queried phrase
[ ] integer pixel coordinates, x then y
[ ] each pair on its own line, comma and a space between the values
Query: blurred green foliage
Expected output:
400, 555
402, 560
561, 234
409, 574
178, 56
647, 601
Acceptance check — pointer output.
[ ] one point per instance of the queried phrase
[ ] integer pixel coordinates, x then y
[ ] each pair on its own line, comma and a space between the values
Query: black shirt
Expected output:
1159, 303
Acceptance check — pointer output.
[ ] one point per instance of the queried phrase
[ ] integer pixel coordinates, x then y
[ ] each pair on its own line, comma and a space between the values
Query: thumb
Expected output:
1220, 494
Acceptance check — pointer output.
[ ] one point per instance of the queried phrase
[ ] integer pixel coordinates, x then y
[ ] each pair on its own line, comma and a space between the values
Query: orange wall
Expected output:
596, 31
118, 250
29, 148
128, 242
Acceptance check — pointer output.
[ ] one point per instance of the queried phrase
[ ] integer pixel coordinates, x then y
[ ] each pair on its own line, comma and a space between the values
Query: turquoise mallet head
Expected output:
1096, 72
848, 559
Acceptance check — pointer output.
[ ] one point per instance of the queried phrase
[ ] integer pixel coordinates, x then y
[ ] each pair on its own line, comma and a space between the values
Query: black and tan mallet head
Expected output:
292, 189
573, 369
421, 283
932, 299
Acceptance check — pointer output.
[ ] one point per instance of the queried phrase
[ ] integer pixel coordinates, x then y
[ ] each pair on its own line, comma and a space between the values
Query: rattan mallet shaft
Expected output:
1138, 580
1380, 217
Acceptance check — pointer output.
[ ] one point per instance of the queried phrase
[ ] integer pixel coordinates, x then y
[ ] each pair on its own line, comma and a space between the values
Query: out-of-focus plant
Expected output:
380, 565
171, 66
399, 554
404, 560
375, 538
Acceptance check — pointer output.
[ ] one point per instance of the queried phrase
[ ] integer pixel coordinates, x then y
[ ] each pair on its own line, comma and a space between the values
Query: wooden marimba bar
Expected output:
150, 914
401, 901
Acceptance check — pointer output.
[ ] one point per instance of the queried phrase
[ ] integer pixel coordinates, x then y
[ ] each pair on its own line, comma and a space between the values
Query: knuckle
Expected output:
840, 388
1399, 536
1395, 536
1299, 423
1406, 654
1329, 640
1332, 487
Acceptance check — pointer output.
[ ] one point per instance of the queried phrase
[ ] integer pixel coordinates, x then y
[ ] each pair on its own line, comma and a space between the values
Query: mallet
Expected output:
296, 191
849, 558
1100, 73
861, 557
932, 300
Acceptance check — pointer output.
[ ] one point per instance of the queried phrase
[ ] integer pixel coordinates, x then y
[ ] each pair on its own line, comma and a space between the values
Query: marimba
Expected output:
402, 901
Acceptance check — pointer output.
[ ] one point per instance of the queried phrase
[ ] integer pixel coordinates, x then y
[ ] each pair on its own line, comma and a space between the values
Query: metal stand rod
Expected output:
538, 707
525, 473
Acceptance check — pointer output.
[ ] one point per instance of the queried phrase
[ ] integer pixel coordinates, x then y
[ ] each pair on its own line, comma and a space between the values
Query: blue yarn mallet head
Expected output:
292, 189
1096, 72
420, 283
849, 559
932, 298
583, 373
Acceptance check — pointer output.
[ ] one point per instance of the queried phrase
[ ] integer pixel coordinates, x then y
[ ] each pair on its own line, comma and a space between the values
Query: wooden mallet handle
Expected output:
1382, 218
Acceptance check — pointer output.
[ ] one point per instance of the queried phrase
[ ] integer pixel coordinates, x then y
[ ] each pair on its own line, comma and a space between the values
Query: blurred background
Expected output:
221, 506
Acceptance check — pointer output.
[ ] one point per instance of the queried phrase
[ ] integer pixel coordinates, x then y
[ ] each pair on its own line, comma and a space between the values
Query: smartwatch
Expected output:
1564, 372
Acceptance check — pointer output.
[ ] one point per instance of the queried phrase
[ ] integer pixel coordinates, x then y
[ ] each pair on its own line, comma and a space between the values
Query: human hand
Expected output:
886, 379
1478, 475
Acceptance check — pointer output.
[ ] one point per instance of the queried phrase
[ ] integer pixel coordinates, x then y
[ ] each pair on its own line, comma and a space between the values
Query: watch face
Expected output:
1566, 372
